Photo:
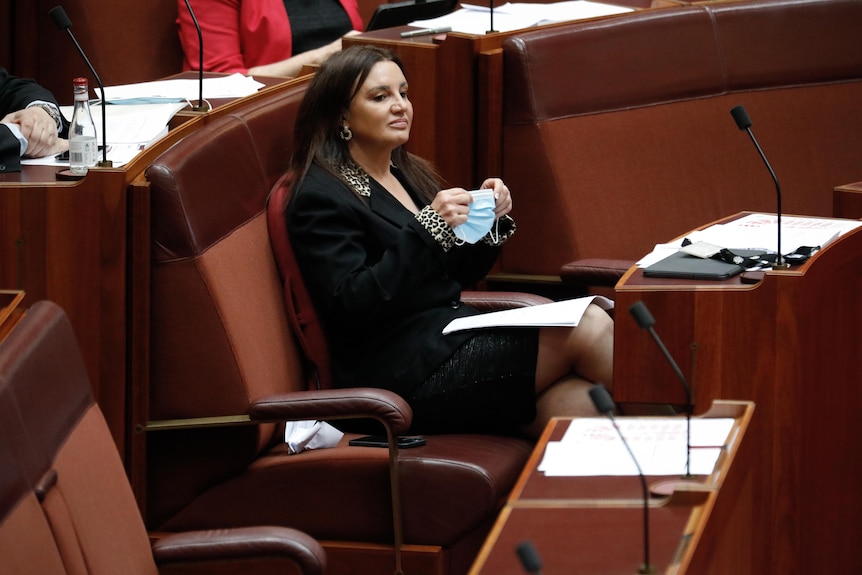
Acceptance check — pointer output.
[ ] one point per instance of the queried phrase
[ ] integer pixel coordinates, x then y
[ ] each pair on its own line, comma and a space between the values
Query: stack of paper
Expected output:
760, 232
471, 19
591, 446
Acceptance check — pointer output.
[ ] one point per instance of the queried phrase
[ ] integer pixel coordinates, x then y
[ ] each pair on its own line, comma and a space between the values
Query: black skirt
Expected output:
487, 386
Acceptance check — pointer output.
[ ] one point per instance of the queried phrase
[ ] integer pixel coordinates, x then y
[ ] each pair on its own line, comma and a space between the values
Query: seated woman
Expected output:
374, 235
264, 37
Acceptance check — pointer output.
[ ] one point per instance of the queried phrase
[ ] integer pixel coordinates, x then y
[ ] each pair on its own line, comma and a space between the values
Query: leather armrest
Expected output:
594, 272
498, 300
238, 544
331, 404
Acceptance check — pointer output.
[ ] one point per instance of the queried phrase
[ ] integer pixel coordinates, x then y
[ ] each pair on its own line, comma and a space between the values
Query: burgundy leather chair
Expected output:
634, 144
227, 367
66, 506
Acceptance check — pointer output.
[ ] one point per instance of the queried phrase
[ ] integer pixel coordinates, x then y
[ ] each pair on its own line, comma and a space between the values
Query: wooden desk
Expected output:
790, 343
847, 200
85, 245
595, 524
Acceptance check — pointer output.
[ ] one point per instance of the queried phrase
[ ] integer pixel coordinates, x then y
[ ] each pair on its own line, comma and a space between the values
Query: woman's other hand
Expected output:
502, 196
452, 205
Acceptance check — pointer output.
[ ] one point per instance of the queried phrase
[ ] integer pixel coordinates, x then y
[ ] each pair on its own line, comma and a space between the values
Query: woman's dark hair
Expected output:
319, 118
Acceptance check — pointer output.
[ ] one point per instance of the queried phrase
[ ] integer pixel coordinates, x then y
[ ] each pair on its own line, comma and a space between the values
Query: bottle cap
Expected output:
79, 81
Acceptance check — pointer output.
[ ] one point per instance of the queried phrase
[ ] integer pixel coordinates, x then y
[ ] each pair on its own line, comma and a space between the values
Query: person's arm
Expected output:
292, 66
360, 267
220, 27
10, 151
39, 129
32, 121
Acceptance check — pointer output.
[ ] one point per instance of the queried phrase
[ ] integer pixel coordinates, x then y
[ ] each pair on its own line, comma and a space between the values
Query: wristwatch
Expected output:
52, 110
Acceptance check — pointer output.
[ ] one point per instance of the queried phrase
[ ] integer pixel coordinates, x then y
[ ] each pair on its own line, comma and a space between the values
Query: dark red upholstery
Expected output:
617, 132
65, 502
300, 309
224, 343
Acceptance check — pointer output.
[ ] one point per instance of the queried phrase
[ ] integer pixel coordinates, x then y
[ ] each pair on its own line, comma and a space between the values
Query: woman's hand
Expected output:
502, 196
452, 205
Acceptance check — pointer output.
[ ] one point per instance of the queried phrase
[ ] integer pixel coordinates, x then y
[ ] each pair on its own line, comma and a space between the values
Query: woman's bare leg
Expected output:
586, 350
570, 360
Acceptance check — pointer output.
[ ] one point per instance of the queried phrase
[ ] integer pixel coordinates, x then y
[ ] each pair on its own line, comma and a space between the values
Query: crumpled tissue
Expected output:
303, 435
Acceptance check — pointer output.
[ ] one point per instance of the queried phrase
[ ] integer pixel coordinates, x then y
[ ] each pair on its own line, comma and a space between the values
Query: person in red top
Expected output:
258, 37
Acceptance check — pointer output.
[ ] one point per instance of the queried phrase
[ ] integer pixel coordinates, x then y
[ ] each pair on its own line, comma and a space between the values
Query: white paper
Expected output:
130, 130
566, 313
592, 447
760, 232
233, 86
472, 19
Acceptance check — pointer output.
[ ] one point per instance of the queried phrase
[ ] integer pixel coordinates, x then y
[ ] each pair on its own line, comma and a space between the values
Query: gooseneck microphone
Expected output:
201, 107
605, 405
529, 557
645, 320
63, 23
743, 122
491, 11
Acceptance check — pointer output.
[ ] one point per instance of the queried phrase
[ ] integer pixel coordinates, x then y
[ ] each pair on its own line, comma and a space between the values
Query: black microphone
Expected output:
529, 558
604, 404
743, 122
63, 23
645, 320
491, 10
201, 107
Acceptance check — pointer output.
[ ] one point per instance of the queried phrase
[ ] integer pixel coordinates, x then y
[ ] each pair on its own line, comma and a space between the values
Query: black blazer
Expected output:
382, 286
15, 94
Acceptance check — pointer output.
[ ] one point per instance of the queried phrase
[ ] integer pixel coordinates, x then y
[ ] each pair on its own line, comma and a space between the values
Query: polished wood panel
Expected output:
85, 245
595, 524
847, 201
789, 343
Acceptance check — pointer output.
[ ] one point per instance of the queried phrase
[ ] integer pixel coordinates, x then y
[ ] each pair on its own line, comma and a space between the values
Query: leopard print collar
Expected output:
358, 178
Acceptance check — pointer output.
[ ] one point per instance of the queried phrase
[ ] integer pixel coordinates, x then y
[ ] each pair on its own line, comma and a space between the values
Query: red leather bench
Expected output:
617, 133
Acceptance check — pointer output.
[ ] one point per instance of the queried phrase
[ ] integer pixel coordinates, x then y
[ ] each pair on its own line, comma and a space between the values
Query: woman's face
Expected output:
380, 115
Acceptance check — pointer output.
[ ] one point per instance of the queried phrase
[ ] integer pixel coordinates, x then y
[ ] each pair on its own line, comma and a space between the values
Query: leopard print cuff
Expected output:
435, 225
496, 237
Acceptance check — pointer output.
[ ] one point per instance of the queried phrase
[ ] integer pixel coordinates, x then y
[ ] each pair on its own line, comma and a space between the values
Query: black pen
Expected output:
426, 31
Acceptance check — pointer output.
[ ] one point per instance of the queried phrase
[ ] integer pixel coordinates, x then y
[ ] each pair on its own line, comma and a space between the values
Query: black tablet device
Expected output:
389, 15
683, 266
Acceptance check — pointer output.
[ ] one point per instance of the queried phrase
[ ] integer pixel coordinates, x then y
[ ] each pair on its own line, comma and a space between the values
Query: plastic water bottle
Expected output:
83, 148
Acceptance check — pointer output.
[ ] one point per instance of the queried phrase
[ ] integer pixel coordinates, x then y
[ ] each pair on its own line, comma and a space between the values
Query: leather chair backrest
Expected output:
300, 309
617, 133
72, 509
220, 338
27, 545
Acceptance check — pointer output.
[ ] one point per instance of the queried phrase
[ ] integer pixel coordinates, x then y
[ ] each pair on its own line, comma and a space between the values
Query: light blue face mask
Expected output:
480, 219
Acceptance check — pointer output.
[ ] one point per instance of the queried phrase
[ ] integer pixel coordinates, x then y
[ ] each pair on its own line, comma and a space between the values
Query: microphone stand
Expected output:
201, 107
64, 23
645, 320
604, 404
491, 31
743, 122
529, 557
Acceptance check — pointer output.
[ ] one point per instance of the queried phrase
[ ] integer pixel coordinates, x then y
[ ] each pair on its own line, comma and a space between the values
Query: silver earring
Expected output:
345, 133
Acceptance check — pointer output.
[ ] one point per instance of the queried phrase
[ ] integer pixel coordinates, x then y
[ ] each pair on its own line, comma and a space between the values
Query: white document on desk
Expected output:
473, 19
592, 447
130, 130
233, 86
566, 313
760, 231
